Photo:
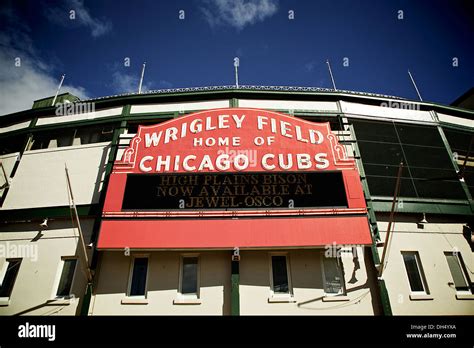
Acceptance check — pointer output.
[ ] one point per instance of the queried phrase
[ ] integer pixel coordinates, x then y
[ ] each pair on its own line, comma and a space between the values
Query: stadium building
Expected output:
237, 201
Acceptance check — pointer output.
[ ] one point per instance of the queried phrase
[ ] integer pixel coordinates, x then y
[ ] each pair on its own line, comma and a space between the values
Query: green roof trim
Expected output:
432, 208
216, 92
47, 102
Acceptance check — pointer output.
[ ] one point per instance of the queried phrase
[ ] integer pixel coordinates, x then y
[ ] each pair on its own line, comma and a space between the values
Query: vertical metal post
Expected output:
81, 236
414, 84
59, 87
141, 79
236, 66
235, 283
330, 73
390, 221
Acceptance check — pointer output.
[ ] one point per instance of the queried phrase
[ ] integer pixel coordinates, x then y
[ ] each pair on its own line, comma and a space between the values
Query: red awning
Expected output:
230, 233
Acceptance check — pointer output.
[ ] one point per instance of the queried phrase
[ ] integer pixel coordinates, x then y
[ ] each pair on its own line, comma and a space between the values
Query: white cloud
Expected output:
82, 17
237, 13
128, 82
33, 79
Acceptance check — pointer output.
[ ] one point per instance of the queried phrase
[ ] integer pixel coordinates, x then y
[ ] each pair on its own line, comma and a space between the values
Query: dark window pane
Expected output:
458, 140
433, 174
133, 127
457, 272
428, 164
334, 122
53, 139
419, 135
375, 131
385, 170
382, 186
189, 281
10, 276
460, 143
414, 276
65, 139
40, 142
280, 275
381, 153
140, 267
469, 179
428, 157
89, 135
12, 144
438, 188
333, 275
64, 288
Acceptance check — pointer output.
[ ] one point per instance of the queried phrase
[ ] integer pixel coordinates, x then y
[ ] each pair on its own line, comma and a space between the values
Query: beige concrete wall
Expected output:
15, 126
162, 287
79, 117
455, 120
411, 111
431, 242
289, 105
307, 283
40, 180
38, 276
185, 106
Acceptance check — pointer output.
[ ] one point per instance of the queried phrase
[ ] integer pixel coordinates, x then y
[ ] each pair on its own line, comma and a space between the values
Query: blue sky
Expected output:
198, 50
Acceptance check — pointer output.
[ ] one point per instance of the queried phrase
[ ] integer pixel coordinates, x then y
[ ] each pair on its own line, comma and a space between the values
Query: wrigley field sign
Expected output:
233, 160
233, 177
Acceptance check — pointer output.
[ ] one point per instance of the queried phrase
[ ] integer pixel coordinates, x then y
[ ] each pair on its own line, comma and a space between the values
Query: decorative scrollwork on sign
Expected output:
338, 151
130, 153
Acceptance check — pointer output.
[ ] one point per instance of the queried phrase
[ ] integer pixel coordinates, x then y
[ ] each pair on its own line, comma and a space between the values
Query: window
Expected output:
280, 275
67, 275
280, 280
90, 135
462, 146
52, 139
428, 169
12, 144
69, 137
458, 272
8, 277
189, 282
333, 276
138, 277
132, 127
415, 272
335, 122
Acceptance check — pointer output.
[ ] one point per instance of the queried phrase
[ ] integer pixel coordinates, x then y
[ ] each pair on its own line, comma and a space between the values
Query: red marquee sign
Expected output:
238, 147
235, 139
